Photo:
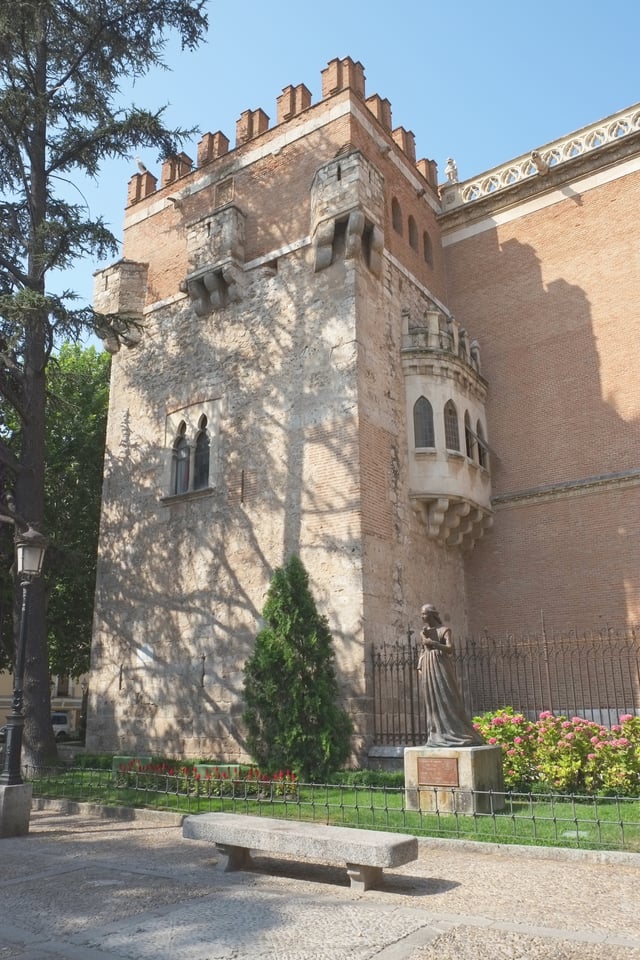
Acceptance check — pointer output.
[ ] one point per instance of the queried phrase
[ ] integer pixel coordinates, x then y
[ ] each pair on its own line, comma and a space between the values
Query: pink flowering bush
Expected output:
569, 755
515, 734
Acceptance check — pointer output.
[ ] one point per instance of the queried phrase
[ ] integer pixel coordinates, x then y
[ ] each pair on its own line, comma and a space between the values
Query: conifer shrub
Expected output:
291, 713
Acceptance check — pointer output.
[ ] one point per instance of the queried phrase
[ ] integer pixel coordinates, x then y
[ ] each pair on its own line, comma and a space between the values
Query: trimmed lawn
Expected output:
541, 819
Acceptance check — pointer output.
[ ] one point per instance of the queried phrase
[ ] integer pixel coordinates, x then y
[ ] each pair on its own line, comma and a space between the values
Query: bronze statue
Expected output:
447, 722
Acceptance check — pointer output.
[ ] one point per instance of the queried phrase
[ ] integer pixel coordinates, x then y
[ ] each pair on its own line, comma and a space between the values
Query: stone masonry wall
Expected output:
182, 580
275, 278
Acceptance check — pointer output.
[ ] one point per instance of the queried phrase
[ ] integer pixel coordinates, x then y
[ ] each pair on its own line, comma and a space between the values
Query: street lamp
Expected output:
30, 549
83, 709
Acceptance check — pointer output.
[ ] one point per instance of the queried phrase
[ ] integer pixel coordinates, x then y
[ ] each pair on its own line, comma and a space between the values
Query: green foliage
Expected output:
566, 755
369, 778
76, 425
292, 718
76, 419
61, 115
93, 761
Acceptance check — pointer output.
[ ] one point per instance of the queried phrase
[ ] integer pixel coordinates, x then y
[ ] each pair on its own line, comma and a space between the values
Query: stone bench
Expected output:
365, 852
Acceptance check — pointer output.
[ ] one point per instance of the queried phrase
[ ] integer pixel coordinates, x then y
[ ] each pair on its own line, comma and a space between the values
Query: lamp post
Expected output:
83, 710
30, 550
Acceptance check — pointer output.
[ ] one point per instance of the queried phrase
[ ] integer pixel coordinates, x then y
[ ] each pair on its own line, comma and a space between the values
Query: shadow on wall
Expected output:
565, 546
182, 580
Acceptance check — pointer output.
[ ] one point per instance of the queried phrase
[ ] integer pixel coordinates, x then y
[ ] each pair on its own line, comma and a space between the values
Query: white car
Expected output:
61, 726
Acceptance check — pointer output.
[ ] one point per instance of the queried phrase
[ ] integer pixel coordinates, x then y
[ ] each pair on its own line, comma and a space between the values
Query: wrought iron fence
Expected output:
611, 823
594, 675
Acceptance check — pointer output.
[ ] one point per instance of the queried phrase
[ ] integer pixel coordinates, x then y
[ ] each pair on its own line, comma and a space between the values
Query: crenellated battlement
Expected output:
250, 125
339, 75
292, 101
212, 146
342, 74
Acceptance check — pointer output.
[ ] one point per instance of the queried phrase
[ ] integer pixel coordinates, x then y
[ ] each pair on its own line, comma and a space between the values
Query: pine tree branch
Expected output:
12, 397
18, 276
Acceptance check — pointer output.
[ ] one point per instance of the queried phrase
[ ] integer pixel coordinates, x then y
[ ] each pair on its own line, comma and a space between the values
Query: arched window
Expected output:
423, 423
482, 447
396, 216
427, 248
201, 456
413, 233
469, 438
451, 433
181, 461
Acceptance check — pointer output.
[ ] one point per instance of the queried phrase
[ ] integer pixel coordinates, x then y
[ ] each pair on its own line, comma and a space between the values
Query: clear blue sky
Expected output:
478, 81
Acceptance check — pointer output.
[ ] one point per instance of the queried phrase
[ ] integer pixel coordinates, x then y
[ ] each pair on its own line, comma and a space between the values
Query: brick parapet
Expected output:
258, 174
342, 78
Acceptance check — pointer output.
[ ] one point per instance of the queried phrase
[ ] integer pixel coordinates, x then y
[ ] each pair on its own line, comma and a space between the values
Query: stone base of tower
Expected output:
463, 780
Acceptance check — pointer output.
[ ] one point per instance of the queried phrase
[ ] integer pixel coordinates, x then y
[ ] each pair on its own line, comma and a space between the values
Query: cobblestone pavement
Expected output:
80, 887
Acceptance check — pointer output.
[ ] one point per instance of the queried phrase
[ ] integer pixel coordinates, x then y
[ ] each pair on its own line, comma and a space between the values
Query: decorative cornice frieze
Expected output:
539, 164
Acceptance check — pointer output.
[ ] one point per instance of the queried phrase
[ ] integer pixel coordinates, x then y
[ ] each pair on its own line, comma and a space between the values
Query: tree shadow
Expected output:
182, 580
564, 549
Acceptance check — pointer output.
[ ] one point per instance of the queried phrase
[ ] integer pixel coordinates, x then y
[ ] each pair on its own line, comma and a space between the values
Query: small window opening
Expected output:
482, 446
181, 461
413, 233
451, 432
469, 438
396, 216
201, 457
427, 248
423, 423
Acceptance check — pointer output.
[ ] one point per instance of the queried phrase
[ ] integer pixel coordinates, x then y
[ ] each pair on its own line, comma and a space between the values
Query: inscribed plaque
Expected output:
438, 772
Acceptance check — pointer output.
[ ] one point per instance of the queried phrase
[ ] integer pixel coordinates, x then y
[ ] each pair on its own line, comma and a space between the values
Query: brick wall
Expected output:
553, 296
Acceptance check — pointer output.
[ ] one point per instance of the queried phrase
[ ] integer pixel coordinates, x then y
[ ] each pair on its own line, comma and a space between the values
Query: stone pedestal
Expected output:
463, 780
15, 810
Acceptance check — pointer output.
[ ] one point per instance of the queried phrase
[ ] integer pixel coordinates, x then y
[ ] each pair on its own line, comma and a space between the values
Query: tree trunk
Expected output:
39, 743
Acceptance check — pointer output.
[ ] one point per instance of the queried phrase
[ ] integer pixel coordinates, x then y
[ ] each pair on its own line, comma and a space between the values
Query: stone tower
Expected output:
300, 385
428, 393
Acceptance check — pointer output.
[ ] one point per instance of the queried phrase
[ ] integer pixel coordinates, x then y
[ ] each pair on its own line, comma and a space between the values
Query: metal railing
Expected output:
596, 676
547, 819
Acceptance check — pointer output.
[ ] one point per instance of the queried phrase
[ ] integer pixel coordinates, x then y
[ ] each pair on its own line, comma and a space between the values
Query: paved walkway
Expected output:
86, 888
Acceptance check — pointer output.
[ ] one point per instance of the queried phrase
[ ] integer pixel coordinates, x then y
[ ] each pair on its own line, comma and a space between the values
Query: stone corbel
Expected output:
482, 522
213, 289
231, 274
452, 522
203, 292
323, 244
355, 243
355, 228
457, 513
437, 513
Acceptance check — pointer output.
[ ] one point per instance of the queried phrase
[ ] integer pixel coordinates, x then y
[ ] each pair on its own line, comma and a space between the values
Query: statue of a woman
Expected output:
447, 722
